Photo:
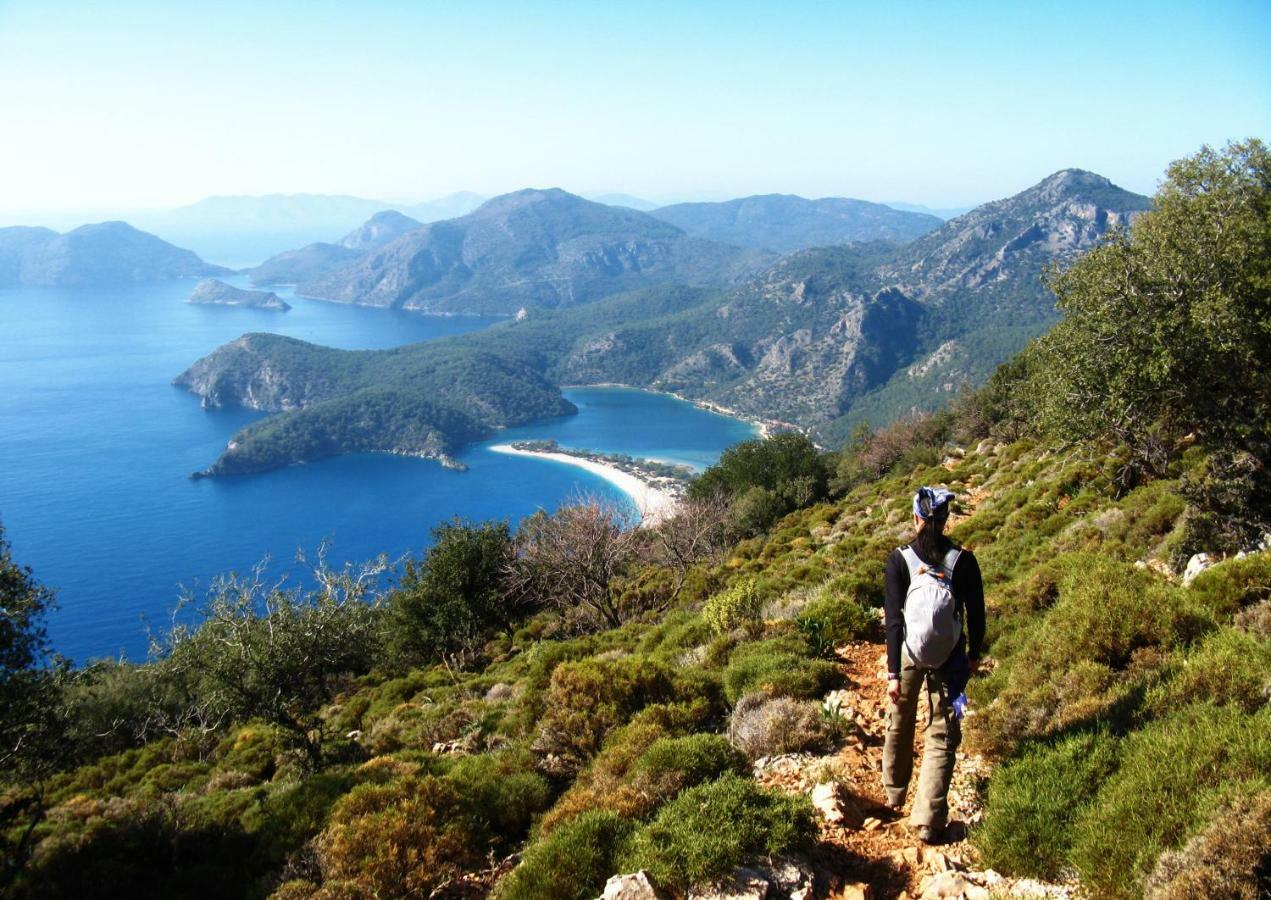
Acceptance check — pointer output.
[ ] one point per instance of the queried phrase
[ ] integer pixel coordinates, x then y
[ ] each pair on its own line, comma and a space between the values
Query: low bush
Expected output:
739, 605
1230, 667
573, 863
1234, 584
778, 667
503, 790
710, 829
1034, 801
401, 839
587, 699
1230, 859
832, 619
1173, 773
671, 765
767, 726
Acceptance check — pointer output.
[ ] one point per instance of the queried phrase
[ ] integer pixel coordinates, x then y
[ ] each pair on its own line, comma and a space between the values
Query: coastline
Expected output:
655, 504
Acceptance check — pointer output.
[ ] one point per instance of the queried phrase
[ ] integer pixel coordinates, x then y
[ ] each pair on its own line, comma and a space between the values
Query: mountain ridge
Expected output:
825, 334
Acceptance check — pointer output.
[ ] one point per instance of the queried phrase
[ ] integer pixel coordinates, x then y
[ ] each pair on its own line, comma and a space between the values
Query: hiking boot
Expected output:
929, 834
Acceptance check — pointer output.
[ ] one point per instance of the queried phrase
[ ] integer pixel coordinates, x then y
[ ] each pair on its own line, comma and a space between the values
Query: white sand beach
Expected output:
654, 503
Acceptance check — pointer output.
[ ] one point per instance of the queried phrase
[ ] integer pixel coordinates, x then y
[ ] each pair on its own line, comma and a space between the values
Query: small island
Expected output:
213, 292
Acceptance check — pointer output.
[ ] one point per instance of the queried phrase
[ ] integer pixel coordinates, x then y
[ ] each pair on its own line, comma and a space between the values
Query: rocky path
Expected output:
870, 851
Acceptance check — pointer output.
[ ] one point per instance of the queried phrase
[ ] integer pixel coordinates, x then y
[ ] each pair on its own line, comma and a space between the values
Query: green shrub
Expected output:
672, 764
710, 829
1234, 584
588, 699
573, 863
778, 667
503, 790
739, 605
1173, 773
1230, 667
1034, 801
832, 620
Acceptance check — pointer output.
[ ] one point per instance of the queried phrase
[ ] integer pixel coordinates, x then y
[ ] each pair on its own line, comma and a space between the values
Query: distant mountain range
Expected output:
822, 338
315, 261
535, 248
784, 223
101, 254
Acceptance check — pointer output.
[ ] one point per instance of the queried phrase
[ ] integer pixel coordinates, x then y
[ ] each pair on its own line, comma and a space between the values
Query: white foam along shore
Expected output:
653, 502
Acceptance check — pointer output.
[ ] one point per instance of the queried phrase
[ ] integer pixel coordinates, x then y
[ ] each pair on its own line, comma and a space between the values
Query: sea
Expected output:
97, 446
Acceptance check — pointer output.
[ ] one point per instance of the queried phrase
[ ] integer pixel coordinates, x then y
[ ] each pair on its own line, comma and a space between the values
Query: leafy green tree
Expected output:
1167, 327
31, 721
767, 478
276, 653
457, 596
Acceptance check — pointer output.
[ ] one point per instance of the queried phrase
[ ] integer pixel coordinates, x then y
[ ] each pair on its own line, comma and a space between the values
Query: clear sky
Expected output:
126, 104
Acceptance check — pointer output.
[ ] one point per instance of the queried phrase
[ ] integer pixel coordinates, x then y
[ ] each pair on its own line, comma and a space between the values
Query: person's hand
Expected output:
975, 667
893, 690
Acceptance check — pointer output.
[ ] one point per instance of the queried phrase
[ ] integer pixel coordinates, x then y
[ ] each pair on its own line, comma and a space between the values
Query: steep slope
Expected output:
785, 223
531, 248
101, 254
829, 335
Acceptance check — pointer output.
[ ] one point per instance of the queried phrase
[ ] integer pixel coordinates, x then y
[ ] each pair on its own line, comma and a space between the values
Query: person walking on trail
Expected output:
934, 615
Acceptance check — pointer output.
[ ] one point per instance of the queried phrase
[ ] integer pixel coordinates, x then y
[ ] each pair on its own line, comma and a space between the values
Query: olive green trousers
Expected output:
940, 745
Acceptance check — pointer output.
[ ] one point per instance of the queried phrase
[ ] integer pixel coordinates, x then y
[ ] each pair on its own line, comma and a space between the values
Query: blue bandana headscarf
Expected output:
936, 501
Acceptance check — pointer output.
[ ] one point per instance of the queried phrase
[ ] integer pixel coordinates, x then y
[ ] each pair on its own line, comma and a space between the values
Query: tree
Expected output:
571, 560
452, 601
1167, 325
766, 478
31, 720
274, 652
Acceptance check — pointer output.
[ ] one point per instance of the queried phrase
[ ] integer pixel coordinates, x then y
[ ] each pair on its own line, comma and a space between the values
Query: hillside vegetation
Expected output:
528, 712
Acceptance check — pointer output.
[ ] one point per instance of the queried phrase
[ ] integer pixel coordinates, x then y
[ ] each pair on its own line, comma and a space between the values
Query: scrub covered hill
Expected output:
527, 713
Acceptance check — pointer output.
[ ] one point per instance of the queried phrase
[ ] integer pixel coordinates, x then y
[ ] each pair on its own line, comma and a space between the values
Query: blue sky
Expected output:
122, 105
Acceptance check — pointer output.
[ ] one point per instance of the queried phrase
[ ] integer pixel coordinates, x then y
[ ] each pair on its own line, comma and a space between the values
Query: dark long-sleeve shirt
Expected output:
968, 591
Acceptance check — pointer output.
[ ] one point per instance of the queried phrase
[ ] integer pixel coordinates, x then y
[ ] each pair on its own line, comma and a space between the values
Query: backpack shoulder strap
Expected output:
951, 560
916, 565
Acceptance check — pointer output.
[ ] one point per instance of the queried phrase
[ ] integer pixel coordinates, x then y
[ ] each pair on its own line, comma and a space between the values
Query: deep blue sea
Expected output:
96, 447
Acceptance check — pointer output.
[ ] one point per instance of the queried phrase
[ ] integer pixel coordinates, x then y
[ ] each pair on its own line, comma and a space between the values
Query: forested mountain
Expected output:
339, 401
380, 229
823, 339
544, 248
784, 223
105, 253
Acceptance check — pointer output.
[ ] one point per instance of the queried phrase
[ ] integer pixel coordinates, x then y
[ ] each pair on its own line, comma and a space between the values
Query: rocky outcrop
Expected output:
212, 292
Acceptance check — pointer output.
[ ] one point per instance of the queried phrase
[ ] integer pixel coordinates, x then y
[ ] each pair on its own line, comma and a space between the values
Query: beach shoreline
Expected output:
654, 503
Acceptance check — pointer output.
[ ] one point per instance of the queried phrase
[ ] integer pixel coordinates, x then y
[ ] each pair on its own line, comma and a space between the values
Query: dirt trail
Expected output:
874, 853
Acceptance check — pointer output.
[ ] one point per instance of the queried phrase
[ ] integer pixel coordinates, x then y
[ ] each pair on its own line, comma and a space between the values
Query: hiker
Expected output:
934, 610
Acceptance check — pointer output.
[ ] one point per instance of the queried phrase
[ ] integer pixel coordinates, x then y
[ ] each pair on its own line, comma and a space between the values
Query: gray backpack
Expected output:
933, 622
